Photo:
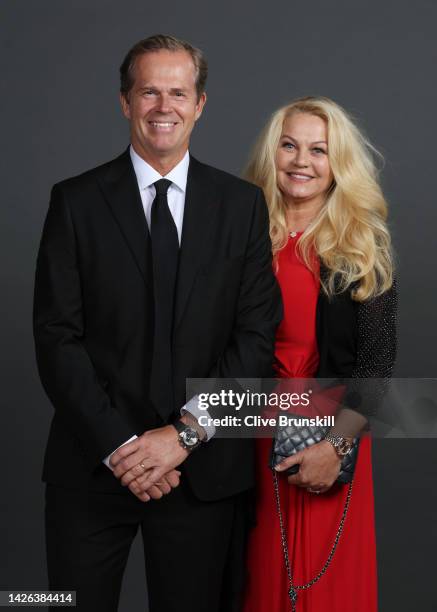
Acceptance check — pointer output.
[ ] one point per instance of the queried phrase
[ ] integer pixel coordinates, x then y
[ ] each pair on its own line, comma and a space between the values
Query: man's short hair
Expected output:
156, 43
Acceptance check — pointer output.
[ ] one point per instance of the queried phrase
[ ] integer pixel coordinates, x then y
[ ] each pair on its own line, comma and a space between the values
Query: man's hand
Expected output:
168, 482
148, 458
319, 467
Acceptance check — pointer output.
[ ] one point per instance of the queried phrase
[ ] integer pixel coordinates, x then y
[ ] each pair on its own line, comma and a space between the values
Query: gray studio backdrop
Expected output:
61, 116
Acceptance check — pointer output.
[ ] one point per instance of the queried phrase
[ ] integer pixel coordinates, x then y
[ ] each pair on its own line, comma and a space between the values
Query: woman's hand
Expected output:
319, 467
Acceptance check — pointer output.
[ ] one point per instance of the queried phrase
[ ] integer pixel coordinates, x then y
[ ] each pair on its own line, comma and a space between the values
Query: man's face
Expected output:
162, 105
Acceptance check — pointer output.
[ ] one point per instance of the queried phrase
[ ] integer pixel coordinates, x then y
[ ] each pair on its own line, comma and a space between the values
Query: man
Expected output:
142, 282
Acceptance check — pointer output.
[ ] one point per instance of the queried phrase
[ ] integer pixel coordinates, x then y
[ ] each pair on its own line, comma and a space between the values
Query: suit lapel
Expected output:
200, 217
120, 189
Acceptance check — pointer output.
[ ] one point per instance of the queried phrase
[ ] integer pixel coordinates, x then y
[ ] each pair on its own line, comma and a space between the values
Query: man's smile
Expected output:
163, 126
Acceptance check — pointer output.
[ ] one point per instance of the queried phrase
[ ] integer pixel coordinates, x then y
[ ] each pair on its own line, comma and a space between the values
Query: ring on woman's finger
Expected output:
315, 491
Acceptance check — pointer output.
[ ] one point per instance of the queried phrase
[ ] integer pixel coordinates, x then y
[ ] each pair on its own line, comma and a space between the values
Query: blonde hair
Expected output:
349, 234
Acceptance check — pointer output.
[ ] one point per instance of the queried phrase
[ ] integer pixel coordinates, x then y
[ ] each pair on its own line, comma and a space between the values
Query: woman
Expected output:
333, 261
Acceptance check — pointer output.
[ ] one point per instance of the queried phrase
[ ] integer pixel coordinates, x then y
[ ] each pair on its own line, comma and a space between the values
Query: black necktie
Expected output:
165, 254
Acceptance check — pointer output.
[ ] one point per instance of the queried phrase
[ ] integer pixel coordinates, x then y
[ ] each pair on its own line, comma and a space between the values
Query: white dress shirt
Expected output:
146, 176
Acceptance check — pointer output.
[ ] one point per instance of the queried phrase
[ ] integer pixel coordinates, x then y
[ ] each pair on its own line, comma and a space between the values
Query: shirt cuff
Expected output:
193, 408
106, 459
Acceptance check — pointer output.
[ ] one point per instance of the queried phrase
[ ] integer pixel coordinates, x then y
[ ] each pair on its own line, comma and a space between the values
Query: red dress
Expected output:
311, 521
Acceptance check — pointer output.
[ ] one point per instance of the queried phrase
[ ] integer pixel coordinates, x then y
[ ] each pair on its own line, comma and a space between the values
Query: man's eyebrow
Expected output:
149, 86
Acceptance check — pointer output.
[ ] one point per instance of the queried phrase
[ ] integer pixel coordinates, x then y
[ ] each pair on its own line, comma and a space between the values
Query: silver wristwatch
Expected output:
189, 438
342, 445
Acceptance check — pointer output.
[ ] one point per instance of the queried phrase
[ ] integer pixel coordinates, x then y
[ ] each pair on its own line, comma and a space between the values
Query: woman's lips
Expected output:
296, 176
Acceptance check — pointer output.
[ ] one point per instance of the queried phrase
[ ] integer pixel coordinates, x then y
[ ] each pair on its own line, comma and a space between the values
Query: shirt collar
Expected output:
146, 175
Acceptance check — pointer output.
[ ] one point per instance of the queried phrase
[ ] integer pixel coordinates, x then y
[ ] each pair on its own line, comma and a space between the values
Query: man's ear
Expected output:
200, 104
124, 101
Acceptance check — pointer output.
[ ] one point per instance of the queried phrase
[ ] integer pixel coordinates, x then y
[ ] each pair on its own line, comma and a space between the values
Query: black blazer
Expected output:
93, 317
356, 341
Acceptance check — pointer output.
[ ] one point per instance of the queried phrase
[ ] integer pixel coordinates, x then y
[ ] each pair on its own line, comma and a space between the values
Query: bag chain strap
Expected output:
294, 588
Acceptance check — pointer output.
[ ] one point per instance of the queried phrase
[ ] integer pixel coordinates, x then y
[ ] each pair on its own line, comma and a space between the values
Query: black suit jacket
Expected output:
94, 312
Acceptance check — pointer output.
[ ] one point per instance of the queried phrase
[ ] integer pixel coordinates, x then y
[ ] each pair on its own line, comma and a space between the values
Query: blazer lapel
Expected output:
200, 217
120, 189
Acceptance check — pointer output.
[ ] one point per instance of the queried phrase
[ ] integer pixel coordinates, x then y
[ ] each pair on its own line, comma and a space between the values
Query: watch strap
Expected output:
179, 426
341, 445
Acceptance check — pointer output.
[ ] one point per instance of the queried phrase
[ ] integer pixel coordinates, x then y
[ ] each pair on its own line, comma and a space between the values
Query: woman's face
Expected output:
302, 164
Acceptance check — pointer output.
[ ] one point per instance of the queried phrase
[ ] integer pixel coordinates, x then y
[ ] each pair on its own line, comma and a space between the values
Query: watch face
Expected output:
344, 447
190, 436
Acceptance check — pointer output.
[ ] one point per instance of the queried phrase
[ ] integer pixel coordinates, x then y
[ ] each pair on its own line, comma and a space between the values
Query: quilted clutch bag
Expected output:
291, 439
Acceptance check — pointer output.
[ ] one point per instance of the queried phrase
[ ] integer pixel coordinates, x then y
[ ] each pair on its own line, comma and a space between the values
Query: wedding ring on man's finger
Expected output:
315, 491
141, 465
